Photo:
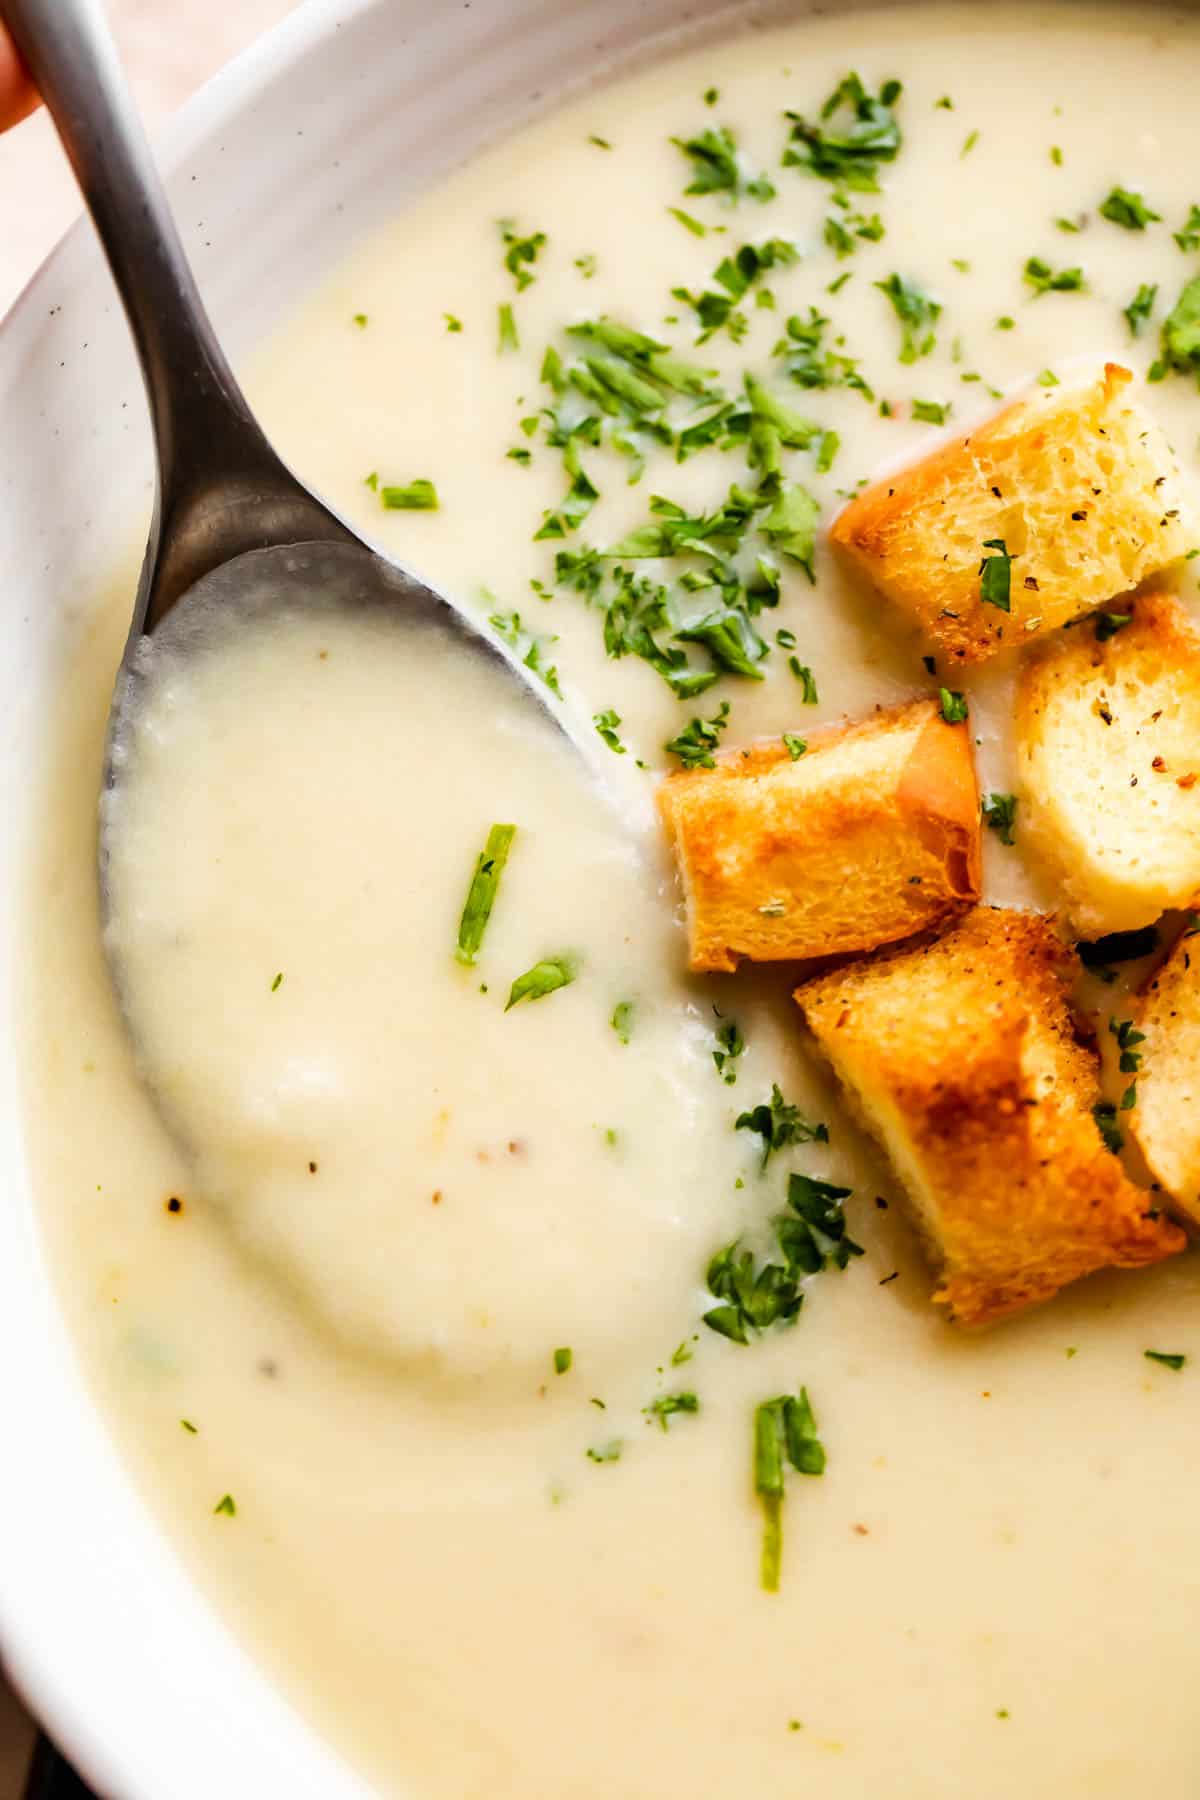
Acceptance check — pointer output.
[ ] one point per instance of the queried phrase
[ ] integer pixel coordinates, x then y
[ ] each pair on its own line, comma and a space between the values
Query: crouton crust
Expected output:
959, 1054
1078, 482
1165, 1123
1108, 762
869, 836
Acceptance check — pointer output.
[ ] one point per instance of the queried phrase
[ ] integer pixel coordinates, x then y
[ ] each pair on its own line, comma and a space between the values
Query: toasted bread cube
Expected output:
1108, 756
959, 1055
1165, 1122
870, 835
1079, 485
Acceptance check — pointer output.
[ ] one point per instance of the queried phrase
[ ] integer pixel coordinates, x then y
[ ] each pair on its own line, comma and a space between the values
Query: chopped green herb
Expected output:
481, 894
372, 481
858, 132
1056, 156
813, 1234
607, 723
1000, 812
711, 96
360, 319
752, 1298
715, 307
1170, 1359
544, 978
1128, 209
413, 496
931, 412
1045, 280
969, 143
189, 1427
791, 525
795, 746
1140, 307
520, 252
810, 364
694, 745
1109, 623
586, 265
784, 1428
995, 575
452, 324
730, 1045
529, 648
600, 143
663, 1409
1128, 1038
520, 455
779, 1124
716, 167
688, 222
682, 1353
606, 1453
1181, 335
1188, 237
277, 983
846, 229
507, 328
954, 706
945, 104
1105, 1115
227, 1505
622, 1020
1006, 323
562, 1360
918, 314
1069, 225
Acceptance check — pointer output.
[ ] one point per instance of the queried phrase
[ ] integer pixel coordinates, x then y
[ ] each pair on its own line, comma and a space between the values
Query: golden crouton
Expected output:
1108, 753
867, 836
960, 1057
1076, 484
1165, 1122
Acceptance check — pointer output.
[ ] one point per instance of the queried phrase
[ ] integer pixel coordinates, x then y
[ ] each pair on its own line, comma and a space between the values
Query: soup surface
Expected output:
401, 1325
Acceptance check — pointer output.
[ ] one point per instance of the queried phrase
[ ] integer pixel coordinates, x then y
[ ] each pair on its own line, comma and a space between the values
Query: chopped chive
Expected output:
481, 895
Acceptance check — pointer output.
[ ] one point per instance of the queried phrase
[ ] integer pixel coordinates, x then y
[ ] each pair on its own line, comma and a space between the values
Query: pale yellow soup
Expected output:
332, 1363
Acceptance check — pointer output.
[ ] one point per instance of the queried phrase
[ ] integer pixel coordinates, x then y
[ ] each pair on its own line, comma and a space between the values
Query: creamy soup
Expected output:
391, 1275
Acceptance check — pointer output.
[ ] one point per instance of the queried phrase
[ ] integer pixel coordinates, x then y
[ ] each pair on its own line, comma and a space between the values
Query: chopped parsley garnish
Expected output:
954, 706
779, 1124
717, 167
227, 1505
622, 1020
413, 496
1000, 813
562, 1360
608, 723
995, 575
1105, 1115
1128, 209
520, 252
1117, 947
969, 143
795, 746
1181, 335
1048, 379
857, 133
791, 525
847, 228
507, 338
694, 745
544, 978
1140, 307
1130, 1060
814, 1232
931, 412
1170, 1359
1188, 237
752, 1298
730, 1045
529, 648
1045, 280
277, 983
804, 675
663, 1409
452, 323
682, 1353
810, 363
688, 222
716, 307
189, 1427
918, 314
1109, 623
481, 894
360, 319
785, 1432
587, 265
606, 1453
1056, 156
600, 143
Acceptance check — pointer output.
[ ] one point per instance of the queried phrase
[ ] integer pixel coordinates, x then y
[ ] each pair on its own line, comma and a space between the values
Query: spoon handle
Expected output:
215, 465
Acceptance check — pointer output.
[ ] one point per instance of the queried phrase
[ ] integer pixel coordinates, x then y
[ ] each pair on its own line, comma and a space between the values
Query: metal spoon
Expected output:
233, 529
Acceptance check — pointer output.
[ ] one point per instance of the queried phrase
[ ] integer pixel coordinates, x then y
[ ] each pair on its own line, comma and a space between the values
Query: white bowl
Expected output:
301, 147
